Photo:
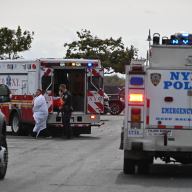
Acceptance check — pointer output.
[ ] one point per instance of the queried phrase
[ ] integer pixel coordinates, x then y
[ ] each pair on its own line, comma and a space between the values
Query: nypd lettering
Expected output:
178, 80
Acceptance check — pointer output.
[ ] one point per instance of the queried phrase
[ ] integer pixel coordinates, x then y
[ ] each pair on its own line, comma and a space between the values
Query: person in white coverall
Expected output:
40, 112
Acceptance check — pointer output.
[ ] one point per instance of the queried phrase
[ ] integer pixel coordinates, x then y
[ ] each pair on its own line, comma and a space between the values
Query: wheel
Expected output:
129, 166
4, 155
116, 108
143, 166
15, 124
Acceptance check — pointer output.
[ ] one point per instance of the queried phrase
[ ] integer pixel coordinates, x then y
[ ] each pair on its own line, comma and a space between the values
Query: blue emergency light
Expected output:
137, 81
185, 34
89, 64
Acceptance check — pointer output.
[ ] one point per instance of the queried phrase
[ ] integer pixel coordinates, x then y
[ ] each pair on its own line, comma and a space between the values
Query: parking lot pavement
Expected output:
8, 129
86, 163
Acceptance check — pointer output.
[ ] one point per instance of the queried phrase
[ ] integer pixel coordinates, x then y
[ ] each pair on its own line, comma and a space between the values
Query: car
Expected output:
117, 102
4, 97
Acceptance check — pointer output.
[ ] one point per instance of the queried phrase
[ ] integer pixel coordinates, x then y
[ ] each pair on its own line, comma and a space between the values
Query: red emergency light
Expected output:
33, 66
136, 97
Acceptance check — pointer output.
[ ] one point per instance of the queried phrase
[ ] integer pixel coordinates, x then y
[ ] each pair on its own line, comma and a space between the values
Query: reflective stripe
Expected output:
147, 119
178, 127
168, 127
147, 112
95, 101
91, 109
161, 126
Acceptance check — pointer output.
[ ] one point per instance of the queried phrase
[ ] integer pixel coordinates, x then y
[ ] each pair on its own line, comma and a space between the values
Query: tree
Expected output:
114, 80
14, 41
111, 52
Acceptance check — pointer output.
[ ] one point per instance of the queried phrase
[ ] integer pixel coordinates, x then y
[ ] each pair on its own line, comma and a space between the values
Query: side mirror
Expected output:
4, 93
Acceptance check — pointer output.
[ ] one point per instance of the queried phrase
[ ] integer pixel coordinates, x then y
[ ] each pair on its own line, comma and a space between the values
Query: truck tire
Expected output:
129, 166
3, 168
16, 125
143, 166
116, 108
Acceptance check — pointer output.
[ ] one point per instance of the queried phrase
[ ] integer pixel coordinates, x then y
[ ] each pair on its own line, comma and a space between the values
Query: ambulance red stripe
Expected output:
100, 105
91, 109
95, 73
89, 93
101, 92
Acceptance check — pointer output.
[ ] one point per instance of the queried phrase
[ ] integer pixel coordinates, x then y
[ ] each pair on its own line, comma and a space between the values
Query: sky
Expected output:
56, 22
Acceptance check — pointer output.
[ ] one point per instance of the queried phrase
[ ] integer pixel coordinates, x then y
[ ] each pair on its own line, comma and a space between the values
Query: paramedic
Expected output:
40, 112
66, 110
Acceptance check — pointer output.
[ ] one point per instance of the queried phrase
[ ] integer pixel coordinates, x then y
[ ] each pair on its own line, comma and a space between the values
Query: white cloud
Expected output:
56, 22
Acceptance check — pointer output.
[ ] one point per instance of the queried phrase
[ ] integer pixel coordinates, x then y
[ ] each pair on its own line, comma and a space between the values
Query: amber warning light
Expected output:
93, 117
136, 97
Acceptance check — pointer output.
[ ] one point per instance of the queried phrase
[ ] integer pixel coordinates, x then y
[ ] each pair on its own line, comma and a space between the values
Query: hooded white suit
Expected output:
40, 114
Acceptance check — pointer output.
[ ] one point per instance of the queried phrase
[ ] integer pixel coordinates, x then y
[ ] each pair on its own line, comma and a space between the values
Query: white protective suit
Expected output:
40, 114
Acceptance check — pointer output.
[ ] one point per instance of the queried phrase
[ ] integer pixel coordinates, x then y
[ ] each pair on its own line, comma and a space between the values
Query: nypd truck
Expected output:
158, 105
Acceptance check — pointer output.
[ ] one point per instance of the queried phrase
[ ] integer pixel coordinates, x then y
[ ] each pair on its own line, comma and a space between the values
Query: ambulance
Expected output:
83, 78
158, 105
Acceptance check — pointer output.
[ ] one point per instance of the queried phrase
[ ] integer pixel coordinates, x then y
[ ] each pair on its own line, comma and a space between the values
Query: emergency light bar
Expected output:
176, 39
74, 64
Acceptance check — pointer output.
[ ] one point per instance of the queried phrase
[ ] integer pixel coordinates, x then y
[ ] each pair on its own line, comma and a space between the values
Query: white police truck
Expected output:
158, 105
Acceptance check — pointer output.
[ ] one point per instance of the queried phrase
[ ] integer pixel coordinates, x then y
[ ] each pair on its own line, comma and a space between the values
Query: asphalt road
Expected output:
89, 163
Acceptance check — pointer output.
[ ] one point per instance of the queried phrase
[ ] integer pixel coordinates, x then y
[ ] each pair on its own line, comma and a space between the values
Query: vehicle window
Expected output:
95, 83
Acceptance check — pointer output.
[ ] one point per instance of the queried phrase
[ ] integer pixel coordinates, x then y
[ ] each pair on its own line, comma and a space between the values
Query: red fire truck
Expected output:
84, 79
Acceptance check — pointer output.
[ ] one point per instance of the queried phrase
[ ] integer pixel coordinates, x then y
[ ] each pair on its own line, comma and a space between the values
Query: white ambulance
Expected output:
83, 77
158, 105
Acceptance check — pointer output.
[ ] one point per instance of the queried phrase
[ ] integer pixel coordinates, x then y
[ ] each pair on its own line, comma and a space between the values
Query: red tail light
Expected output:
135, 118
136, 97
135, 115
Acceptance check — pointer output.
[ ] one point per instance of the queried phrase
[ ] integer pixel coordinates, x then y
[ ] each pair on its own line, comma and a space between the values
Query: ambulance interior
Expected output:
75, 82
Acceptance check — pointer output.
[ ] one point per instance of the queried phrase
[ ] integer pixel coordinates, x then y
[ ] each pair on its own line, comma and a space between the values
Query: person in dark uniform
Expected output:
66, 110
